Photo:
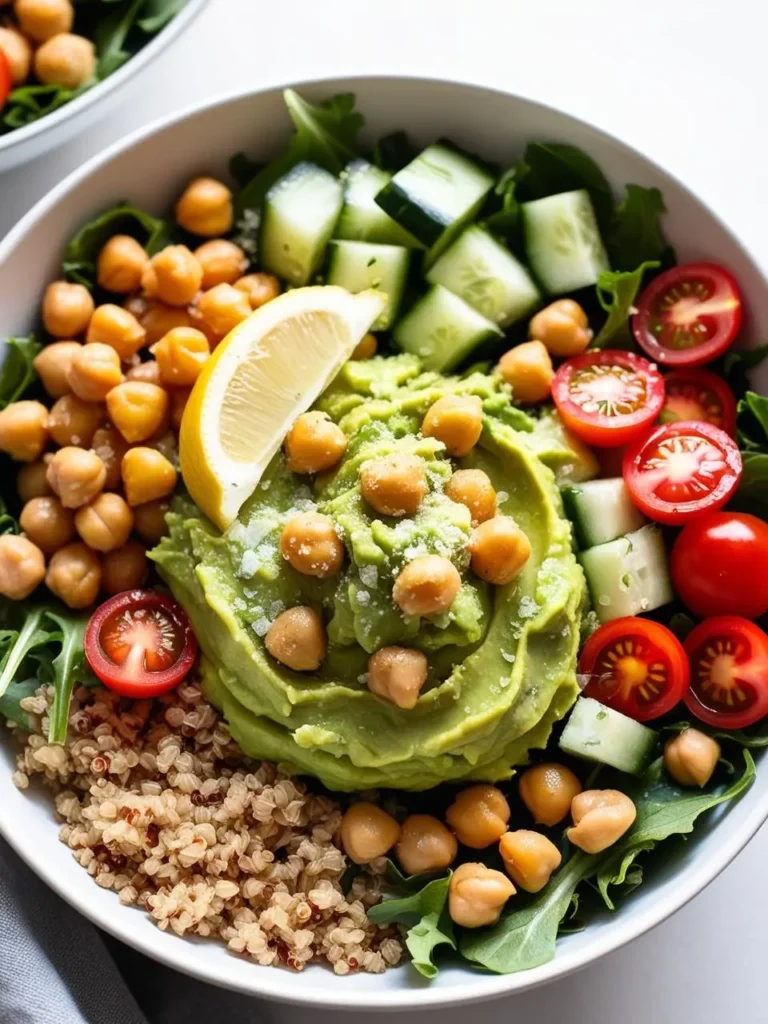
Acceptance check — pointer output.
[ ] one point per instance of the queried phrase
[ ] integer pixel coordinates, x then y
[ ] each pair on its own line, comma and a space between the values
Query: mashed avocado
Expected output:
501, 661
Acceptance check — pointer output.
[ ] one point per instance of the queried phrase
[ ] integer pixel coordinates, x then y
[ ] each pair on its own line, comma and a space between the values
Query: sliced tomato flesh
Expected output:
688, 315
729, 672
6, 82
681, 470
140, 643
636, 666
607, 397
698, 394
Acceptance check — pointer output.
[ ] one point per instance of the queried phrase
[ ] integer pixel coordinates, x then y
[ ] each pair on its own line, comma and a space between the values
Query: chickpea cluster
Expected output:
99, 463
39, 45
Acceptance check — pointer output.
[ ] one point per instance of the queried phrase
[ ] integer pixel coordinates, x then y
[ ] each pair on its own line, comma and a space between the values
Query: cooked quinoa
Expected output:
159, 804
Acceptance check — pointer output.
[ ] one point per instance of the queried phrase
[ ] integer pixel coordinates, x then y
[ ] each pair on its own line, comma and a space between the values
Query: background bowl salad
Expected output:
442, 479
51, 51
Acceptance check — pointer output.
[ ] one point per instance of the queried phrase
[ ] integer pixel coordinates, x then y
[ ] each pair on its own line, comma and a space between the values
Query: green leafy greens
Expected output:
425, 911
81, 254
17, 369
616, 293
752, 432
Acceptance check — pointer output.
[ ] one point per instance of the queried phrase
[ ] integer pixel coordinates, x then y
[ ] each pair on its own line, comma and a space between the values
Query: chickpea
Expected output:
367, 832
105, 523
547, 790
473, 488
22, 567
562, 327
314, 443
24, 430
18, 54
499, 550
366, 347
394, 485
67, 60
94, 371
691, 757
138, 410
180, 356
205, 208
260, 288
397, 674
179, 398
427, 586
120, 265
149, 521
157, 319
110, 445
114, 326
529, 858
76, 475
600, 818
222, 262
222, 308
47, 523
32, 482
52, 366
74, 575
425, 844
72, 421
297, 639
125, 568
147, 372
147, 476
41, 19
310, 544
457, 421
477, 895
528, 368
479, 816
67, 309
173, 275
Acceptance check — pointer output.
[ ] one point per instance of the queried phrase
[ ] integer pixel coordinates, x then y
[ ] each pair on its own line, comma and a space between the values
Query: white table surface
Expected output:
683, 80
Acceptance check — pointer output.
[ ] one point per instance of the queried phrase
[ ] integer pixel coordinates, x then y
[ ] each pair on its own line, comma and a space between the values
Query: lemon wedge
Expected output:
267, 371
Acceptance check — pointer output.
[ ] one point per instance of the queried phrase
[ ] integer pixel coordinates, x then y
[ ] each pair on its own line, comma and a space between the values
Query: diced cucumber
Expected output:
360, 265
435, 195
300, 211
629, 575
601, 511
487, 276
442, 330
598, 733
563, 243
361, 220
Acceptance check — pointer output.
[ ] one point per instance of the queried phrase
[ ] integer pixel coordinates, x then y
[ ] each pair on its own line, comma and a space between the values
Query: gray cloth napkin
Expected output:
57, 968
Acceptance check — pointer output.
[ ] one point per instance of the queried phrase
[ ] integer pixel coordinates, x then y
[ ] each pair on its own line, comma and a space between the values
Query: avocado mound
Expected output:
501, 661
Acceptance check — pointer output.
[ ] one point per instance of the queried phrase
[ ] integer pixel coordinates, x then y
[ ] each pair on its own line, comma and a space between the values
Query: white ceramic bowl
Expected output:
24, 144
150, 168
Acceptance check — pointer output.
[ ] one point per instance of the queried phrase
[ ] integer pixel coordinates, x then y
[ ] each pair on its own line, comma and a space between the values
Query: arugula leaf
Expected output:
11, 700
637, 237
425, 910
110, 36
736, 366
752, 422
70, 667
553, 167
156, 14
393, 152
81, 254
616, 292
29, 103
752, 433
501, 213
325, 134
32, 634
17, 370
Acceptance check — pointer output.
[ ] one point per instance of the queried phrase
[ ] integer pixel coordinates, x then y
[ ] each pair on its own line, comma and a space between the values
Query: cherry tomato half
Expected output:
140, 643
688, 315
608, 397
6, 82
696, 394
729, 672
636, 666
720, 565
682, 469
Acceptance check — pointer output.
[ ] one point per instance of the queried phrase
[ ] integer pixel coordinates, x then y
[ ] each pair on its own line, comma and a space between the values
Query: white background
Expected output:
682, 80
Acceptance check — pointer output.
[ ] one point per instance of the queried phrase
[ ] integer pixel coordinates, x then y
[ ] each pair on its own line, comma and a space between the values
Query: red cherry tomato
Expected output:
688, 315
140, 643
729, 672
636, 666
720, 565
696, 394
5, 79
681, 470
608, 397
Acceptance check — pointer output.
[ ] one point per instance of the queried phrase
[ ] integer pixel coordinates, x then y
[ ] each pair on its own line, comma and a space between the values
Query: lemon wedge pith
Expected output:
267, 371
